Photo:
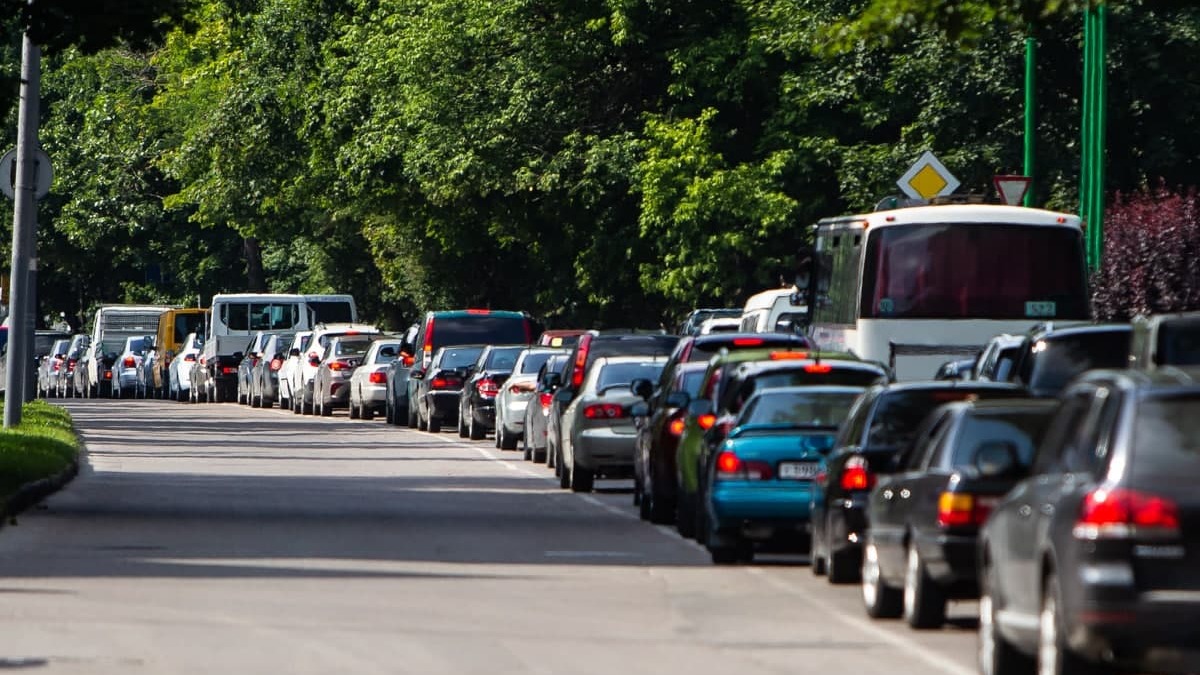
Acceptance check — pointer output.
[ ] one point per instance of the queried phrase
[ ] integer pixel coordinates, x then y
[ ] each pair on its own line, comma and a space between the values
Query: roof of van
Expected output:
960, 213
767, 298
257, 296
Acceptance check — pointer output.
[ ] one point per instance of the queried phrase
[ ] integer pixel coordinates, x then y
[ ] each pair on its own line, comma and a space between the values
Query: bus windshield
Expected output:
974, 271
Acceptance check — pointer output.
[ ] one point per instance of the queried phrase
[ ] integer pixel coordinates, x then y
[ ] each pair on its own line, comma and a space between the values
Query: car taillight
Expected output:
962, 510
428, 346
445, 383
487, 388
276, 364
71, 366
108, 374
190, 358
856, 476
314, 359
521, 387
377, 377
57, 365
546, 398
340, 365
229, 370
129, 362
1121, 514
603, 411
788, 356
676, 427
747, 342
732, 467
581, 355
706, 421
818, 368
724, 426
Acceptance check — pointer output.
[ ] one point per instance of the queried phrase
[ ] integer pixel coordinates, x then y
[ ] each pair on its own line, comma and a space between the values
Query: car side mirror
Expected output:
997, 459
639, 409
416, 374
678, 399
642, 388
294, 352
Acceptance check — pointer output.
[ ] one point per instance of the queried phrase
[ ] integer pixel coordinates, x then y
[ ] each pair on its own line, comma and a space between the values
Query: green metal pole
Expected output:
1100, 130
1092, 136
1030, 114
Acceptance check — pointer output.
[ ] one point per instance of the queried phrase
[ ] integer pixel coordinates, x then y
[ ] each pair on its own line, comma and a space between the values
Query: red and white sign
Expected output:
1012, 189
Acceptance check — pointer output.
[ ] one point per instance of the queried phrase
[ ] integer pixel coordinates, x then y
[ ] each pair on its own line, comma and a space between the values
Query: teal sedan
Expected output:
756, 488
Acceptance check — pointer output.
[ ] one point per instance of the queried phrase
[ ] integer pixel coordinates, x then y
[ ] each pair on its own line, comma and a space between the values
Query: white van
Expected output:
772, 311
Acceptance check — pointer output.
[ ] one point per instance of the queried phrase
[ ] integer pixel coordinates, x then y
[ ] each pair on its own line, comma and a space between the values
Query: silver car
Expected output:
179, 372
129, 362
598, 433
289, 372
368, 385
537, 410
49, 367
330, 383
516, 393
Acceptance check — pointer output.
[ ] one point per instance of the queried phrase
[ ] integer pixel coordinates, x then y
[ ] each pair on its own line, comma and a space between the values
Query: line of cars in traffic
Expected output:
1051, 476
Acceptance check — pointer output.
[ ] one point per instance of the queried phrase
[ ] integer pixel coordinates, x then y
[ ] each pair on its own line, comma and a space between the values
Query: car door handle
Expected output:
1025, 511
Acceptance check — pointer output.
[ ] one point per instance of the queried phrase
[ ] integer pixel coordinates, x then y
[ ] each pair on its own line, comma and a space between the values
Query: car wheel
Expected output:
996, 655
462, 424
353, 411
413, 416
564, 471
731, 552
924, 600
526, 449
882, 601
685, 517
435, 425
422, 425
583, 479
474, 431
552, 455
842, 567
326, 408
366, 412
1053, 654
507, 441
390, 413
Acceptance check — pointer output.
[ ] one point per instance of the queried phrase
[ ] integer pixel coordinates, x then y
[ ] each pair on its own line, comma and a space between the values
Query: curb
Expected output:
32, 493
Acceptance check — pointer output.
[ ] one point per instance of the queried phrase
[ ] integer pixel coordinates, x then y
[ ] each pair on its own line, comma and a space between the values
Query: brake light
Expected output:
789, 356
724, 426
57, 365
229, 370
276, 364
747, 342
732, 467
428, 346
706, 421
546, 399
487, 388
581, 354
351, 332
190, 358
377, 377
129, 362
855, 475
108, 374
340, 365
604, 411
676, 427
961, 510
821, 368
1120, 514
445, 383
479, 311
521, 387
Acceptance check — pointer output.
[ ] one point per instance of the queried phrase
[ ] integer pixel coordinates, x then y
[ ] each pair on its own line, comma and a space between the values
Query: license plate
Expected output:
797, 470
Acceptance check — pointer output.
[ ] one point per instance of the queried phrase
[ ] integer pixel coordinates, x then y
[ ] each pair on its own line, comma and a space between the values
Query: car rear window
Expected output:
352, 347
1166, 437
898, 414
460, 357
802, 408
188, 323
1024, 429
534, 361
503, 358
330, 311
480, 329
1179, 343
622, 374
1056, 361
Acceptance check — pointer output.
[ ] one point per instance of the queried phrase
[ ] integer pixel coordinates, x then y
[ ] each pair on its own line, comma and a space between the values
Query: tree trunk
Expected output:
256, 281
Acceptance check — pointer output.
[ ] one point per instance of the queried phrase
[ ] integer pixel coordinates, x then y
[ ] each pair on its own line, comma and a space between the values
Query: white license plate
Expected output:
797, 470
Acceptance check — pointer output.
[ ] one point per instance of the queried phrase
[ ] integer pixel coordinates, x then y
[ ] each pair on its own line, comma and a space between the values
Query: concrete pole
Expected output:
20, 323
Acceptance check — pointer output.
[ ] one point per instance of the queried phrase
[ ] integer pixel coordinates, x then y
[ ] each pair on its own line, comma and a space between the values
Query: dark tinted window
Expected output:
139, 345
1023, 429
479, 329
503, 358
188, 323
999, 272
1179, 343
899, 413
330, 311
534, 361
621, 374
43, 343
352, 347
807, 408
1055, 361
460, 357
387, 352
1166, 438
690, 382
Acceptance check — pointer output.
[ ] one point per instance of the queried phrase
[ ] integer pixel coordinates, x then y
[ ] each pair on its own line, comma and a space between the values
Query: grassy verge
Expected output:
42, 445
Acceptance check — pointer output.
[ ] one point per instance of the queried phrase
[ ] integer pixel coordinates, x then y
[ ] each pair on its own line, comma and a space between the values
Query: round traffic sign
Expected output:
43, 173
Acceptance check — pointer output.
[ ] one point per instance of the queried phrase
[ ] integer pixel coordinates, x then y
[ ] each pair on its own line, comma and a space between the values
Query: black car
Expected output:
1051, 356
925, 518
1092, 563
591, 346
438, 385
883, 422
1165, 340
477, 401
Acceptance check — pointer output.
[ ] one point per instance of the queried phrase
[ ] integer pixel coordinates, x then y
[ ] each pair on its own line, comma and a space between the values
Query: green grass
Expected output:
42, 445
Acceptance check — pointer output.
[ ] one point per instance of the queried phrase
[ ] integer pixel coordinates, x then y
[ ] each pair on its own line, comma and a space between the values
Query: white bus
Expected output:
919, 286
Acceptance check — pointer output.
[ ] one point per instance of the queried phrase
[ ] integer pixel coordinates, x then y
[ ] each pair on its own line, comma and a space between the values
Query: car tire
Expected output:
413, 415
880, 600
474, 431
1054, 655
731, 552
435, 425
996, 655
583, 479
841, 567
505, 440
326, 408
924, 599
461, 427
564, 472
366, 412
390, 413
685, 516
353, 411
526, 449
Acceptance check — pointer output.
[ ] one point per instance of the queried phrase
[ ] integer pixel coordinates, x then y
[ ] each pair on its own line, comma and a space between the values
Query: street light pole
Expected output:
1030, 116
1091, 175
20, 322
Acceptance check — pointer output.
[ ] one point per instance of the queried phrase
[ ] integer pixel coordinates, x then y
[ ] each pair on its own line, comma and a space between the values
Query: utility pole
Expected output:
1030, 115
1091, 175
20, 323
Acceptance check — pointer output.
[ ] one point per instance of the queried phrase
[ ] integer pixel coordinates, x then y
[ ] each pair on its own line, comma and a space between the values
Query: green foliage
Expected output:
42, 445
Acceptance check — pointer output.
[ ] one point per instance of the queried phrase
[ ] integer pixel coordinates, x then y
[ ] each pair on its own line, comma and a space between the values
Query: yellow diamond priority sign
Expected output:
928, 178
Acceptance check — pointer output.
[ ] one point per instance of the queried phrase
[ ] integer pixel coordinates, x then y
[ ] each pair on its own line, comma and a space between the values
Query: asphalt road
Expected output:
224, 539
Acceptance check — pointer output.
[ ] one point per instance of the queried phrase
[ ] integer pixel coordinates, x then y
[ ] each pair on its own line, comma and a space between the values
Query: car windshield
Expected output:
898, 414
1023, 430
356, 347
1057, 360
503, 358
459, 357
1166, 438
534, 361
801, 408
622, 374
999, 272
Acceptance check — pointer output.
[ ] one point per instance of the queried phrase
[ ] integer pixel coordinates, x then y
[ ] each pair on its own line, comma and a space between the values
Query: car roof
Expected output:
1051, 331
456, 313
811, 389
